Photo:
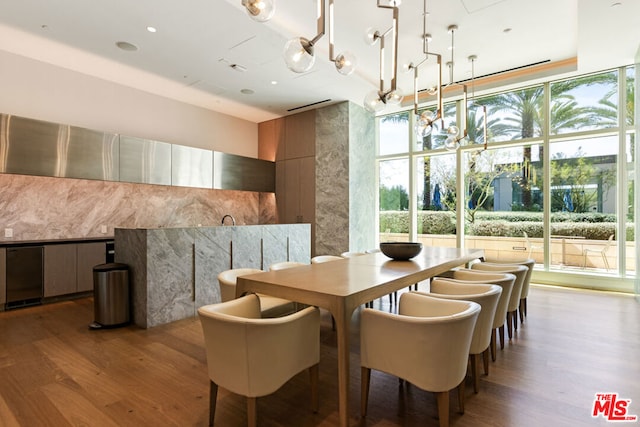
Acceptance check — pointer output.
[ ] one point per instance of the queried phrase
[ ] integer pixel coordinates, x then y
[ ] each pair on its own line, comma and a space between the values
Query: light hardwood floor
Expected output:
54, 371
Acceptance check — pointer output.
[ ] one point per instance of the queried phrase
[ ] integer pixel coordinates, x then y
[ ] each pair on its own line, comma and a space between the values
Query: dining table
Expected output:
344, 285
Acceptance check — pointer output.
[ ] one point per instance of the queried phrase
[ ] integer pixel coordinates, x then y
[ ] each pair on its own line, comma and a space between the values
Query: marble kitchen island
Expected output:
173, 271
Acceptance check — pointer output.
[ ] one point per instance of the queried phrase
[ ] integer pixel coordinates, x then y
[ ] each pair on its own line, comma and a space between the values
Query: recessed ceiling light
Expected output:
44, 26
273, 82
151, 29
127, 46
506, 30
616, 4
247, 91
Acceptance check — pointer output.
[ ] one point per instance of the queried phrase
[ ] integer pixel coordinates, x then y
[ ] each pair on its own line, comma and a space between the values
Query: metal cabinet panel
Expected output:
145, 161
191, 167
35, 147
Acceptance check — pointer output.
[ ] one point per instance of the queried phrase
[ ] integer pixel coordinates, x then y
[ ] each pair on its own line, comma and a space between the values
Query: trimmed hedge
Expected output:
429, 222
592, 226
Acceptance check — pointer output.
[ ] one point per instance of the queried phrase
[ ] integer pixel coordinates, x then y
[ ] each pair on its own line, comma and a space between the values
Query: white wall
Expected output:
38, 90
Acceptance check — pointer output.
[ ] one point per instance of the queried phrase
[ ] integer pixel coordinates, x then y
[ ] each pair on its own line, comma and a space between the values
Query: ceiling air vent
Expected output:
308, 105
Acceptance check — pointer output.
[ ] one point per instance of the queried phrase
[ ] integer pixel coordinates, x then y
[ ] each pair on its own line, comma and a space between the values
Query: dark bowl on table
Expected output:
400, 251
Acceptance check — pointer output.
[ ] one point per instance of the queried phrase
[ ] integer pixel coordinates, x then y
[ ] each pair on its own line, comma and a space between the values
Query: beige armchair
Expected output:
285, 264
487, 296
524, 294
269, 306
505, 281
426, 344
254, 357
520, 271
325, 258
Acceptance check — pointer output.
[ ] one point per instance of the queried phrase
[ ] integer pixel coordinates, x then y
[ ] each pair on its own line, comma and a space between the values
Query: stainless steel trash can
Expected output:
110, 295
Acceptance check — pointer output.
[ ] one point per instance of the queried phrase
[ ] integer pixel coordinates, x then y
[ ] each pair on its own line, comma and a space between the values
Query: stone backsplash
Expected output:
44, 208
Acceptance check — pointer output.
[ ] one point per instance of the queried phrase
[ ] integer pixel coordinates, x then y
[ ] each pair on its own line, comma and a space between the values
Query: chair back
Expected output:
254, 357
325, 258
485, 295
520, 271
427, 343
529, 263
228, 278
285, 264
350, 254
504, 280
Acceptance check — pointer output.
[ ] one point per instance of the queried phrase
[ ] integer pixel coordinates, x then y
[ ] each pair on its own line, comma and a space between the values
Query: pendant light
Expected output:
260, 10
375, 101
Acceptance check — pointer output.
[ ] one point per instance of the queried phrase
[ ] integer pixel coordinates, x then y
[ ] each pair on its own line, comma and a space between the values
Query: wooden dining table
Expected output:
342, 286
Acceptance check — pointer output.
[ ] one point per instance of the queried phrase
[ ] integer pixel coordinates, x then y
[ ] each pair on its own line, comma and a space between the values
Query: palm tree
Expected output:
526, 116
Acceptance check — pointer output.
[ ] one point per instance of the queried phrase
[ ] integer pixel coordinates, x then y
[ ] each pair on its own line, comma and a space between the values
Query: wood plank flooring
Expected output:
54, 371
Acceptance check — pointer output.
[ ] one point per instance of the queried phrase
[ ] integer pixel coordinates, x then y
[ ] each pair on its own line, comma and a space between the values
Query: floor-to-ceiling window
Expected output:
555, 180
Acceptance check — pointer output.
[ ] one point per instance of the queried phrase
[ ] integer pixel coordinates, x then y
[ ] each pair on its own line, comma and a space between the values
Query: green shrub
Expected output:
592, 226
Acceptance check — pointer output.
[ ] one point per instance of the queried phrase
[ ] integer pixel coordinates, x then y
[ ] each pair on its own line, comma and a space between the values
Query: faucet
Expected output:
233, 220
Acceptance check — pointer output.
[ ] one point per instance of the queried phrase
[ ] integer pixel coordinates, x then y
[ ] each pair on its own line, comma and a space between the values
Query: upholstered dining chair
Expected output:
269, 306
520, 271
427, 344
524, 294
252, 356
505, 281
285, 264
350, 254
485, 295
318, 259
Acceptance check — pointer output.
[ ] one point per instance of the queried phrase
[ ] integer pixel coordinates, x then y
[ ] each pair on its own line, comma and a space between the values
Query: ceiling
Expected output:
192, 55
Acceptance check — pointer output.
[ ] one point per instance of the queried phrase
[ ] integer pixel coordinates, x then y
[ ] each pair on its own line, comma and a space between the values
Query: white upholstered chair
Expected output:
505, 281
252, 356
350, 254
269, 306
426, 344
520, 271
285, 264
487, 296
318, 259
524, 294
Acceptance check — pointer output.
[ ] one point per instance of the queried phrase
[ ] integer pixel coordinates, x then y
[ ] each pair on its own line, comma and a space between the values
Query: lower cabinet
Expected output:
60, 265
89, 255
3, 277
68, 268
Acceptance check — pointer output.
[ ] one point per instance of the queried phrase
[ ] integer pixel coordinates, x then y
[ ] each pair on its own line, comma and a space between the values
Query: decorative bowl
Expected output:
401, 251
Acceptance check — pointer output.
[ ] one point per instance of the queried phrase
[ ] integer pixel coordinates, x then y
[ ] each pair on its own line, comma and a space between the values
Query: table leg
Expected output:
343, 320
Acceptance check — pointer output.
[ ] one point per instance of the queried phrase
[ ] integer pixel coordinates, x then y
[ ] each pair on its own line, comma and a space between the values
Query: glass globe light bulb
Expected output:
394, 97
373, 103
260, 10
451, 143
345, 63
422, 128
371, 36
453, 130
298, 54
427, 116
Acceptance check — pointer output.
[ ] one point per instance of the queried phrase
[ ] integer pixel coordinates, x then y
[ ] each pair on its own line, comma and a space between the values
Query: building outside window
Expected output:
555, 183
